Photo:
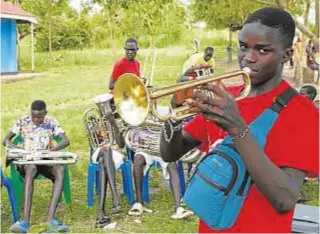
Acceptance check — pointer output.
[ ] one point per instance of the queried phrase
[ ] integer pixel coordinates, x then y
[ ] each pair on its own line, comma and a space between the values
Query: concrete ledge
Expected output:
18, 77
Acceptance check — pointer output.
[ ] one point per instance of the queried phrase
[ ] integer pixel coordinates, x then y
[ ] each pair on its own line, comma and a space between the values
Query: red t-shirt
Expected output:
292, 142
125, 66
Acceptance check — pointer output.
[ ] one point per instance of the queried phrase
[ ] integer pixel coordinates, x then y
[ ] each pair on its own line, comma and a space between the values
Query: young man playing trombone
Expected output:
36, 132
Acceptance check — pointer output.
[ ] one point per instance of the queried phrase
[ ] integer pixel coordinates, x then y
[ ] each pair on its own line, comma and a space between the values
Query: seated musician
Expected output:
142, 162
37, 131
109, 161
197, 62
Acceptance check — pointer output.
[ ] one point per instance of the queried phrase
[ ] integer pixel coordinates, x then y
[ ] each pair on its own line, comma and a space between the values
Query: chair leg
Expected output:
145, 188
90, 184
181, 177
17, 184
15, 214
128, 182
124, 179
66, 186
97, 180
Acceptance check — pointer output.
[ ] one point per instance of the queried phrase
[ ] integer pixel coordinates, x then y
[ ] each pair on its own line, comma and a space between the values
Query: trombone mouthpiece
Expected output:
247, 70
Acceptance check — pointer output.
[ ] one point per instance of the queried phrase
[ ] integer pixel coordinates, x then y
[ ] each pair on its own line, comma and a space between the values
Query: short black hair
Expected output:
38, 105
209, 48
131, 40
311, 90
276, 18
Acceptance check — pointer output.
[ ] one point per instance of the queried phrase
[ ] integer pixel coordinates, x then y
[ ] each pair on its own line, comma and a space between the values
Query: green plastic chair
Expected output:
18, 180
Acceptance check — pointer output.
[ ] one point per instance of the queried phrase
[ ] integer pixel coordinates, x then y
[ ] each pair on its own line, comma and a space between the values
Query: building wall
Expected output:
8, 46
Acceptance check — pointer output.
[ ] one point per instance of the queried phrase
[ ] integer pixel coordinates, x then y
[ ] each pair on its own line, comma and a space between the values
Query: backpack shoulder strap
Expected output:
283, 99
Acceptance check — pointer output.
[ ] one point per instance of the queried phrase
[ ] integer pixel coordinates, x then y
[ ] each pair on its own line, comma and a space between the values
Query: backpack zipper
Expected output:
234, 176
243, 184
213, 184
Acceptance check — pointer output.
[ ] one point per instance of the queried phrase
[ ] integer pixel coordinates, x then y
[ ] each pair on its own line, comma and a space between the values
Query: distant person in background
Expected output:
312, 59
229, 53
196, 45
310, 92
310, 51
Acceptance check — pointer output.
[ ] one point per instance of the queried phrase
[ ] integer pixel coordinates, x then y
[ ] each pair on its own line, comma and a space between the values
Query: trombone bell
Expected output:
131, 99
134, 101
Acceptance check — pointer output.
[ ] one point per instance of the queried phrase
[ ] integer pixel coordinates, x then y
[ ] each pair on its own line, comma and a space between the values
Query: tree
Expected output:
294, 7
298, 8
220, 13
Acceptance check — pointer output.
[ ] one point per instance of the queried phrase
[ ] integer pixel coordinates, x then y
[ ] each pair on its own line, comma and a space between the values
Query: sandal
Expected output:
138, 209
181, 213
101, 222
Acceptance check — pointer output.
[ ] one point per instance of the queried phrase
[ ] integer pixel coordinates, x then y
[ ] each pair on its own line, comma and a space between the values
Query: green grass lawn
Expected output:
68, 86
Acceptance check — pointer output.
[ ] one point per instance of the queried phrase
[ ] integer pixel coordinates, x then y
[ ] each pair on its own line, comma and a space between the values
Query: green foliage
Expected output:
220, 13
67, 33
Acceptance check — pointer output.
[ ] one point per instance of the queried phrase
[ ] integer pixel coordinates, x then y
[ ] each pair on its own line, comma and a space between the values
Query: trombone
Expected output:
134, 101
151, 51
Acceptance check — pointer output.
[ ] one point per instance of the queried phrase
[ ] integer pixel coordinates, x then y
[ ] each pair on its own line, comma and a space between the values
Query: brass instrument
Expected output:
134, 101
24, 157
99, 123
151, 51
146, 137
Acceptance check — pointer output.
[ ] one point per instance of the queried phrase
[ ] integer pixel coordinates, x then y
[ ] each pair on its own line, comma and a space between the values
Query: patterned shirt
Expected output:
36, 137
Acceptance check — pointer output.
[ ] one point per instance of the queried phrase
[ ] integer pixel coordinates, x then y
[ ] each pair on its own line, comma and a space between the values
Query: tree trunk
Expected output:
19, 51
50, 39
111, 35
317, 20
151, 41
283, 4
230, 46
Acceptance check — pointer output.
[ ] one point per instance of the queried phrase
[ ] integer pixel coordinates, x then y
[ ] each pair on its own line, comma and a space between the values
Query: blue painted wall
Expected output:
8, 46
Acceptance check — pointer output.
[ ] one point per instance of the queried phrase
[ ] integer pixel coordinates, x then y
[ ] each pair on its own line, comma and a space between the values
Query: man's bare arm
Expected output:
7, 140
112, 83
63, 144
180, 144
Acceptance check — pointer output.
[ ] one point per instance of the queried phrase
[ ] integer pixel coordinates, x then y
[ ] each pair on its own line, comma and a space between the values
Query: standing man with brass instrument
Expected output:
36, 132
127, 64
292, 146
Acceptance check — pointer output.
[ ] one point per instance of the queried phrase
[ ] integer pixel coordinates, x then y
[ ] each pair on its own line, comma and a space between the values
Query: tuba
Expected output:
135, 102
146, 137
100, 125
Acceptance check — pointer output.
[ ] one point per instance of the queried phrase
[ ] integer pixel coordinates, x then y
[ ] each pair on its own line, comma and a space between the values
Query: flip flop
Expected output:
102, 222
138, 209
181, 213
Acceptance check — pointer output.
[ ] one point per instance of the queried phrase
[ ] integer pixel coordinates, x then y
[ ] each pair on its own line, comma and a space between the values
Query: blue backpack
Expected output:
220, 183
